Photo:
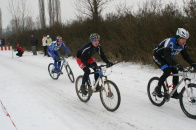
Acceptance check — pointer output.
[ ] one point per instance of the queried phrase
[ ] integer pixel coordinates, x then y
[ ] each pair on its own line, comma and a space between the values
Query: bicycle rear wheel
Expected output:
187, 101
70, 73
110, 96
78, 83
51, 72
153, 82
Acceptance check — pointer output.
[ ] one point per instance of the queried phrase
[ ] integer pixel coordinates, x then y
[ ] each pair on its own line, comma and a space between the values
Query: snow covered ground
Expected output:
37, 102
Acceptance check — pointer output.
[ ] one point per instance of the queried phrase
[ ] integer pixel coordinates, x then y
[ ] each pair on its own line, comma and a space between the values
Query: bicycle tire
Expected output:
109, 94
150, 88
78, 83
54, 76
70, 73
184, 103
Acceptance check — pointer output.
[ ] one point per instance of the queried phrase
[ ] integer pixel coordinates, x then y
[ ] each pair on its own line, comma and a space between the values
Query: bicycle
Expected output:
187, 96
109, 92
54, 75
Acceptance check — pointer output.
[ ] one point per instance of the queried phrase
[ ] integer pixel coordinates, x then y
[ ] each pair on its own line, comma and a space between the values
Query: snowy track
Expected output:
37, 102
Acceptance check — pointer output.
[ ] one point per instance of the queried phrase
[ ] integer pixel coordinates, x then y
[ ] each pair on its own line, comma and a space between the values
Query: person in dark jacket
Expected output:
33, 43
163, 57
86, 61
20, 50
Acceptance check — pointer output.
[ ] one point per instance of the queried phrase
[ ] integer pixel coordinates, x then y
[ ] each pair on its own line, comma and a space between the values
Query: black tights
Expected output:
166, 72
87, 72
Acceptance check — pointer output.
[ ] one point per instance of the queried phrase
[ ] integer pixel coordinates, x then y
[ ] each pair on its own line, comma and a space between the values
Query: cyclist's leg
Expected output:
93, 63
175, 78
96, 75
166, 72
85, 77
175, 82
55, 53
59, 63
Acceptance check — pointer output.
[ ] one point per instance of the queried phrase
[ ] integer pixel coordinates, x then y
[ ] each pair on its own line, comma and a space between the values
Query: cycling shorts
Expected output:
90, 61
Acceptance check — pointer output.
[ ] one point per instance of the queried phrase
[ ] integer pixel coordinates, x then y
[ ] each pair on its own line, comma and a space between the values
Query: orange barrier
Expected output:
5, 48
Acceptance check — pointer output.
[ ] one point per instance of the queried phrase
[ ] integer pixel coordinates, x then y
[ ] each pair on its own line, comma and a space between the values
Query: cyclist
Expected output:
53, 52
85, 60
163, 57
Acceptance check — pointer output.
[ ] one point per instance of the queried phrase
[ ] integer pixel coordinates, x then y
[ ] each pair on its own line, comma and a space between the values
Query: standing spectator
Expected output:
20, 50
49, 41
33, 43
0, 42
44, 44
3, 42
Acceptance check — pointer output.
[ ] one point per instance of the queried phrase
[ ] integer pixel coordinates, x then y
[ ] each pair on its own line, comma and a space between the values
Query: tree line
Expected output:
126, 35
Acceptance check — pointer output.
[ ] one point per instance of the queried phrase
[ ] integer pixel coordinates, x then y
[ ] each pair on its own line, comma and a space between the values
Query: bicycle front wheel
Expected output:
78, 83
187, 101
150, 88
51, 71
110, 96
70, 73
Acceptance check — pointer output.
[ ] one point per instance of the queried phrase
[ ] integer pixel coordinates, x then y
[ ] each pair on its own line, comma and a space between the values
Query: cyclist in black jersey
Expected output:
85, 60
163, 57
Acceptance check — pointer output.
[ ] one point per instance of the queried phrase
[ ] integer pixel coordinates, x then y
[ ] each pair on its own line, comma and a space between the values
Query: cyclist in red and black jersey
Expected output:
86, 61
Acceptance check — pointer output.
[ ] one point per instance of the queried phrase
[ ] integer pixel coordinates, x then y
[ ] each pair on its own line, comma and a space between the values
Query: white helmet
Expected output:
182, 33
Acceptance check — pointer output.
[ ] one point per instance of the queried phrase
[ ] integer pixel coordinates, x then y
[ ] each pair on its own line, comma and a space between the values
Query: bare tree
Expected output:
19, 12
54, 10
91, 8
42, 13
58, 11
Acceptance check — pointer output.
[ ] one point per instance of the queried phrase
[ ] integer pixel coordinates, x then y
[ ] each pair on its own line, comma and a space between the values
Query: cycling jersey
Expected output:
53, 48
87, 51
168, 49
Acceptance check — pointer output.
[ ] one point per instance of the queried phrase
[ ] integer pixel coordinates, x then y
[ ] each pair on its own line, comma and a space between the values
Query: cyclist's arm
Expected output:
167, 57
103, 57
186, 57
84, 58
64, 47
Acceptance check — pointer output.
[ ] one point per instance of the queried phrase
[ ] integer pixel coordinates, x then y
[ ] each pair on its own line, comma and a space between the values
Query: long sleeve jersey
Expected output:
169, 48
88, 50
54, 47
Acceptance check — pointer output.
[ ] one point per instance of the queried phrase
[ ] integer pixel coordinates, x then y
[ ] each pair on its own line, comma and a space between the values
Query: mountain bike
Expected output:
187, 96
109, 92
54, 75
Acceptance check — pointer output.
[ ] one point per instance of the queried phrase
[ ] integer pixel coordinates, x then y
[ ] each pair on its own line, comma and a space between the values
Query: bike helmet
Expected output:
182, 33
58, 39
94, 37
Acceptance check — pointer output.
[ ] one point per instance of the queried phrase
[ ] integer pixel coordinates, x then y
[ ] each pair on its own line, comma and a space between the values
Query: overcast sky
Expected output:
67, 8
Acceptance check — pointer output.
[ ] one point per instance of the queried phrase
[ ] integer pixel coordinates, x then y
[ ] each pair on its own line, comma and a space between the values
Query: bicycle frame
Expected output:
64, 62
100, 72
184, 78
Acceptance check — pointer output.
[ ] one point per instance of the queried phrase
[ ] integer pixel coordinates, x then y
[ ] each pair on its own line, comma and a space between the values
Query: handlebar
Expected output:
62, 58
101, 66
187, 69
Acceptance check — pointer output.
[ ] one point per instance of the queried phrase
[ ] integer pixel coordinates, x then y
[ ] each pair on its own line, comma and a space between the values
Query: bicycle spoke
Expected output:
110, 96
188, 102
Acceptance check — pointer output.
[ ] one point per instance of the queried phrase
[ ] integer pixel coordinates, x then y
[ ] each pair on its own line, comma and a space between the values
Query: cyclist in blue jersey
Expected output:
53, 52
163, 57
